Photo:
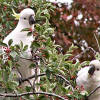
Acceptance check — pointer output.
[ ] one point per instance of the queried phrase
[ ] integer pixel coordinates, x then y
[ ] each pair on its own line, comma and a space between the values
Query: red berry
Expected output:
8, 57
43, 40
7, 50
15, 22
73, 77
82, 87
77, 87
5, 8
4, 26
42, 48
44, 55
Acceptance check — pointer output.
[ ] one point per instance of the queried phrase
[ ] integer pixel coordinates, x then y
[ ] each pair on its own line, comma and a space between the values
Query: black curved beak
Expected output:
91, 70
32, 20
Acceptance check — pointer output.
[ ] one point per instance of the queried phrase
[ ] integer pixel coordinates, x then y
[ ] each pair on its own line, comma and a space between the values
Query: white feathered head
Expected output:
26, 16
94, 67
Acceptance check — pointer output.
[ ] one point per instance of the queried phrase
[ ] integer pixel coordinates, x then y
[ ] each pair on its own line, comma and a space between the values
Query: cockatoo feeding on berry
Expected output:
26, 20
89, 78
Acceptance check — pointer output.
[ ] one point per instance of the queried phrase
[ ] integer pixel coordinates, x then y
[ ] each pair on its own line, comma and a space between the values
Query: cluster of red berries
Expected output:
81, 88
7, 51
42, 49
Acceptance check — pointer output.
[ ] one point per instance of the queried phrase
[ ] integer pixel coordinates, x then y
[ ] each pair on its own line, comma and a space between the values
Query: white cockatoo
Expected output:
89, 78
26, 20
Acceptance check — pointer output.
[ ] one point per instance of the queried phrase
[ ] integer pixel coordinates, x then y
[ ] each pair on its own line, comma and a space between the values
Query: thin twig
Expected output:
34, 82
19, 72
43, 74
92, 92
31, 85
31, 93
90, 48
83, 52
66, 81
33, 76
80, 55
63, 79
97, 41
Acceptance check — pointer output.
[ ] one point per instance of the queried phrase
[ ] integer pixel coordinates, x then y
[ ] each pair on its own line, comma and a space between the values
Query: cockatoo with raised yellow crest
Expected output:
26, 20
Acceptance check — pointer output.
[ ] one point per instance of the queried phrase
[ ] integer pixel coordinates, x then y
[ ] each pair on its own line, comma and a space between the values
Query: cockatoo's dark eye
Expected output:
97, 69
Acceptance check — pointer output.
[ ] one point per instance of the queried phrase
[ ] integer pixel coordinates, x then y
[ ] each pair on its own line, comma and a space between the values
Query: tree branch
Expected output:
43, 74
63, 79
31, 93
33, 76
66, 81
98, 45
92, 92
81, 54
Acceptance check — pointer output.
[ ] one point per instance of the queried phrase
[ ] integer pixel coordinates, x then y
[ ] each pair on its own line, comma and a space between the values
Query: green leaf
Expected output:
43, 89
3, 44
29, 33
25, 47
46, 53
25, 29
85, 63
28, 89
10, 63
38, 13
66, 56
13, 54
49, 31
46, 13
17, 46
48, 73
21, 44
10, 42
5, 76
35, 44
38, 27
60, 80
0, 75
